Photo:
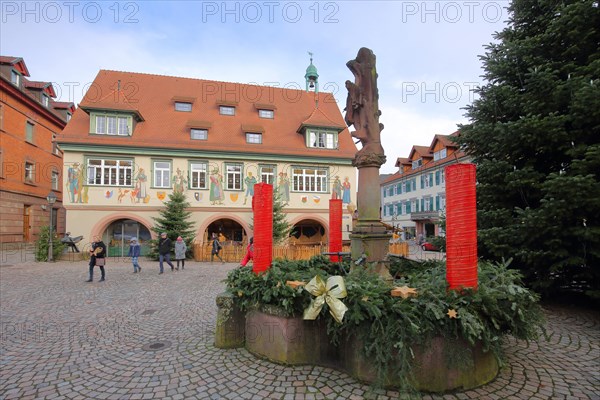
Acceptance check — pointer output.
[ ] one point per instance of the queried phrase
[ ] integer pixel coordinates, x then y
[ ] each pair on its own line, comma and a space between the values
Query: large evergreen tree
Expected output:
175, 220
534, 134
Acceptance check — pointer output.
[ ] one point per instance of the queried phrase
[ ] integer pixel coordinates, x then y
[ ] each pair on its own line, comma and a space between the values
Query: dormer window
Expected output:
45, 101
199, 134
438, 155
322, 139
68, 117
270, 114
417, 163
108, 124
15, 78
183, 106
254, 138
226, 110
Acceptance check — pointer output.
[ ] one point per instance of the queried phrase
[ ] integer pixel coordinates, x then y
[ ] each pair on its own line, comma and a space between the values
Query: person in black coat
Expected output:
97, 257
216, 247
164, 252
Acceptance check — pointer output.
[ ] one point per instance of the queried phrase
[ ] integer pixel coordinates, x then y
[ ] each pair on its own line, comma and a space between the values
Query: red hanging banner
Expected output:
262, 206
461, 227
335, 228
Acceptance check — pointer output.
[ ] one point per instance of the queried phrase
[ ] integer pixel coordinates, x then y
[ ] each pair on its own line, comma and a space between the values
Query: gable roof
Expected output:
18, 62
162, 127
421, 151
444, 140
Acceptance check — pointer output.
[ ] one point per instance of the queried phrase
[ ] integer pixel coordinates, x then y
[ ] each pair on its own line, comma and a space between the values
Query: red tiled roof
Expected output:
163, 127
320, 119
45, 86
15, 60
402, 160
63, 105
422, 151
444, 139
455, 156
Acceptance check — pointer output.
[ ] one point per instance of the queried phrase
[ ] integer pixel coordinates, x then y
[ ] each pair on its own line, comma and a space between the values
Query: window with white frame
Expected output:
198, 178
413, 205
29, 171
162, 174
403, 207
29, 132
428, 204
442, 202
427, 180
68, 116
310, 180
438, 155
15, 78
109, 172
55, 180
403, 187
226, 110
266, 114
417, 163
45, 100
267, 174
234, 176
183, 106
322, 140
123, 126
199, 134
112, 125
254, 138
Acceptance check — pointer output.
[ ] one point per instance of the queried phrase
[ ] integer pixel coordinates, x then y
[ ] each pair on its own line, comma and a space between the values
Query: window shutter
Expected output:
422, 184
437, 202
422, 204
437, 178
431, 179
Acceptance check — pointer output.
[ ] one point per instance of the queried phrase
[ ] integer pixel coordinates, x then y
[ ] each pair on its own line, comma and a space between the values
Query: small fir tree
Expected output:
41, 245
282, 229
175, 220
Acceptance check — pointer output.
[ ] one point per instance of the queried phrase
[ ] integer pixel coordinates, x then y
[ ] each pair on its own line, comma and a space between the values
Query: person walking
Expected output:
216, 247
97, 258
134, 253
180, 249
249, 253
164, 252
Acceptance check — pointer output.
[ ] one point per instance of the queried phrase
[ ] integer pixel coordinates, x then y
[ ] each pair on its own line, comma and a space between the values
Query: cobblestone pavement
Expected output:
145, 336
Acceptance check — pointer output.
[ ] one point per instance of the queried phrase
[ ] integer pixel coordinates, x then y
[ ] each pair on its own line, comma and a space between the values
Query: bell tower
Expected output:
312, 77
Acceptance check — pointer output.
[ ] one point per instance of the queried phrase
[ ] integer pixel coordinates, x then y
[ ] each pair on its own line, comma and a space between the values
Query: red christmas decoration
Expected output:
335, 228
461, 227
262, 206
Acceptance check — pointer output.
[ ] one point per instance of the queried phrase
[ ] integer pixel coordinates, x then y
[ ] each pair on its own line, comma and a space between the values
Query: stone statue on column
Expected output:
370, 241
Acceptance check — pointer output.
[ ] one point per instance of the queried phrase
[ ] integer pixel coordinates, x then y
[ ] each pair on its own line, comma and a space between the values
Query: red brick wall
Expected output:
15, 193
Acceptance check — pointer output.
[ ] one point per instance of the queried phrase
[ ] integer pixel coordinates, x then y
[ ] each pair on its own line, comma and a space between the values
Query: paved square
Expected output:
145, 336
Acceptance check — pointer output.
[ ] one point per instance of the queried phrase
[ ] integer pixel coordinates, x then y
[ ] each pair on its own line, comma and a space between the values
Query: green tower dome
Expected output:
311, 77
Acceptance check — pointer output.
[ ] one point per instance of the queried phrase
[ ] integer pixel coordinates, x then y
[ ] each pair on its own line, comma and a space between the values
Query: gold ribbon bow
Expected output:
330, 294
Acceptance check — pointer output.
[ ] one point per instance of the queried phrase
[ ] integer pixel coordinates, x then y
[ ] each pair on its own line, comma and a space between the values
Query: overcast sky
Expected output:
427, 51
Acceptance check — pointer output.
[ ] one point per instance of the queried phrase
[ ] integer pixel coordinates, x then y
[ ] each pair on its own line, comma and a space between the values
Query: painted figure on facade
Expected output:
250, 181
284, 187
179, 181
346, 191
73, 178
216, 187
336, 190
140, 185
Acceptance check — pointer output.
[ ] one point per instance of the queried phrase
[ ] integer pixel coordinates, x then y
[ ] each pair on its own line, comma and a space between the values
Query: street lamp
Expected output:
51, 200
